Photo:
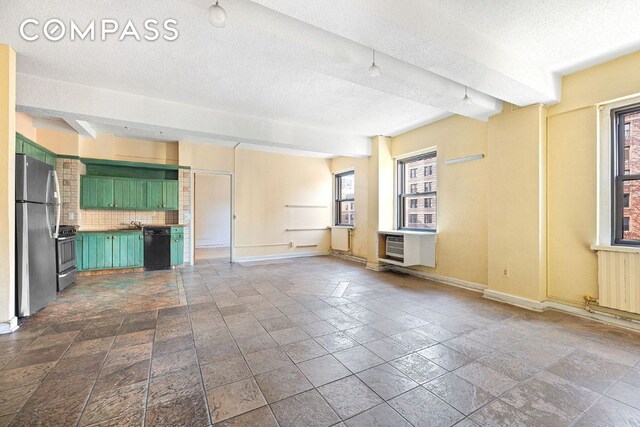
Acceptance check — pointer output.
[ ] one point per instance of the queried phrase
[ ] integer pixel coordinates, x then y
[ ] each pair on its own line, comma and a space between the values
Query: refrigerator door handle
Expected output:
57, 203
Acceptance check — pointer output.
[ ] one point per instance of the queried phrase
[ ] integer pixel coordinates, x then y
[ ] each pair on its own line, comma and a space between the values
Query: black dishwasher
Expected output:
157, 248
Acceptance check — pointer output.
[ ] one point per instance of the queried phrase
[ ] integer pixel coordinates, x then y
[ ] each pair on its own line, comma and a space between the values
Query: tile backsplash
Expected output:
107, 220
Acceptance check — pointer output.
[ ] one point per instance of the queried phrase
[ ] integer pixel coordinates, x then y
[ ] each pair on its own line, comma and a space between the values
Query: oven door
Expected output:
66, 253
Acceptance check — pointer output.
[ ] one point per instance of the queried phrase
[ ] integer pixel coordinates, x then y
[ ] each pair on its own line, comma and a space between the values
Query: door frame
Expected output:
232, 209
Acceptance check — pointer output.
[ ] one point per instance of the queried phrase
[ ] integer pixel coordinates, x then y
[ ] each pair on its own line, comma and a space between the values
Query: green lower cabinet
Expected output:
105, 251
177, 248
128, 250
94, 251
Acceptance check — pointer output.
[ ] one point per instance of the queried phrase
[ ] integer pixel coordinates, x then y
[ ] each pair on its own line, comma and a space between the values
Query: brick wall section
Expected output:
633, 187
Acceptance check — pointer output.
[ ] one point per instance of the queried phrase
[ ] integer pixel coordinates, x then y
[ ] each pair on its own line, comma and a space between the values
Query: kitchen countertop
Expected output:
127, 230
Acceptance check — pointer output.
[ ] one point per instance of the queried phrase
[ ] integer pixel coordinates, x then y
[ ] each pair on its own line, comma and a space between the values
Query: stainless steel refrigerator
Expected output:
37, 223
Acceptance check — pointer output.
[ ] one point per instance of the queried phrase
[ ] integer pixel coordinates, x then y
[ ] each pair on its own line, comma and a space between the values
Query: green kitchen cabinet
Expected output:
177, 246
129, 194
94, 251
128, 250
162, 195
105, 251
26, 146
96, 192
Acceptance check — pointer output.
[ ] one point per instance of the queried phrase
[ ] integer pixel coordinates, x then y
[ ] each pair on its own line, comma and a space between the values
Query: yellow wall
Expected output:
265, 184
206, 156
7, 184
572, 174
24, 125
361, 168
516, 219
461, 250
59, 142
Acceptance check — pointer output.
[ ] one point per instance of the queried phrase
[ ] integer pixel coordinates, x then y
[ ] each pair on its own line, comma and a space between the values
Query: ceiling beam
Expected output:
428, 39
41, 96
82, 127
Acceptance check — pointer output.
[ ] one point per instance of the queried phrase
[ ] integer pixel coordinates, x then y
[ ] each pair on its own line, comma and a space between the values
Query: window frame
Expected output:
338, 201
618, 147
402, 194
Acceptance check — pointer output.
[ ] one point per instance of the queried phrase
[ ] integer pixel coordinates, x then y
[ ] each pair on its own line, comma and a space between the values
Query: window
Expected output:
411, 215
413, 173
626, 174
345, 195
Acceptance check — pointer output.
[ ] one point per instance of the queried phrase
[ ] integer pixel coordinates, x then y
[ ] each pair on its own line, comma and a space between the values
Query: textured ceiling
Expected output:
283, 70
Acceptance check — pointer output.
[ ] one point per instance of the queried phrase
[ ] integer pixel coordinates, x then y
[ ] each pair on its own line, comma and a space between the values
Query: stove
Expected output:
66, 256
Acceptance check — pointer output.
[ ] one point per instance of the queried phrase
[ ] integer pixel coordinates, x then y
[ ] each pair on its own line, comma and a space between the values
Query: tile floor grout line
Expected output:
202, 382
88, 398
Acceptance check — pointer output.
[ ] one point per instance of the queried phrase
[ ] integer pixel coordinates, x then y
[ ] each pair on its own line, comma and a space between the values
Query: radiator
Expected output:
619, 280
340, 239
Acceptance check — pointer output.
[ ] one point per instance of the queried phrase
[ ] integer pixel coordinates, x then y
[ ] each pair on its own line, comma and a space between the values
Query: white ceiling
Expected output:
292, 74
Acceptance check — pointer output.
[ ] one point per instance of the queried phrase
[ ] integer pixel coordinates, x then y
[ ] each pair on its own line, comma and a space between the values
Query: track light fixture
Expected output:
217, 15
374, 70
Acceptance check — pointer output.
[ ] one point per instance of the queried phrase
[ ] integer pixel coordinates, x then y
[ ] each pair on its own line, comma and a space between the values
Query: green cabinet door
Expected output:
79, 256
96, 192
177, 248
162, 195
128, 250
170, 190
130, 194
155, 198
96, 251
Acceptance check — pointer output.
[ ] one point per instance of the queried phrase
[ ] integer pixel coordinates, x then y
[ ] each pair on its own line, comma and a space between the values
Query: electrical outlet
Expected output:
505, 272
187, 216
292, 244
71, 216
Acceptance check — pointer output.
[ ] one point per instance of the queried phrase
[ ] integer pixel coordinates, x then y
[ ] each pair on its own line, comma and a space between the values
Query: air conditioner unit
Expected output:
395, 246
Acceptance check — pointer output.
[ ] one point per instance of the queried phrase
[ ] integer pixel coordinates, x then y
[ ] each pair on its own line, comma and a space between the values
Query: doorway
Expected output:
212, 220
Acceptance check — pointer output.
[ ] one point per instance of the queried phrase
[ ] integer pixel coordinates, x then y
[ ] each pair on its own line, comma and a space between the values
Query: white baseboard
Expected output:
598, 317
472, 286
9, 326
514, 300
210, 245
279, 256
348, 256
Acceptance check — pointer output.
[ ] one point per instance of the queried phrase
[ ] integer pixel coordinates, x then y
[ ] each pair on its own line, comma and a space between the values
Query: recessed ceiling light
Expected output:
217, 15
374, 70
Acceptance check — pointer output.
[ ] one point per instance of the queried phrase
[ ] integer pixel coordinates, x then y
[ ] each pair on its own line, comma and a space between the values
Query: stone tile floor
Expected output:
311, 342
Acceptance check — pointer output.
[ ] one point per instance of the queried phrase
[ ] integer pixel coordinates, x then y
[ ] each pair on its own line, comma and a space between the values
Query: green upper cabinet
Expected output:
99, 192
26, 146
162, 195
96, 192
130, 194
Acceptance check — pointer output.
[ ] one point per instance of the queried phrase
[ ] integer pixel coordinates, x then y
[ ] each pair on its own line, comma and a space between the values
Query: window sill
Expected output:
410, 232
351, 227
616, 248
